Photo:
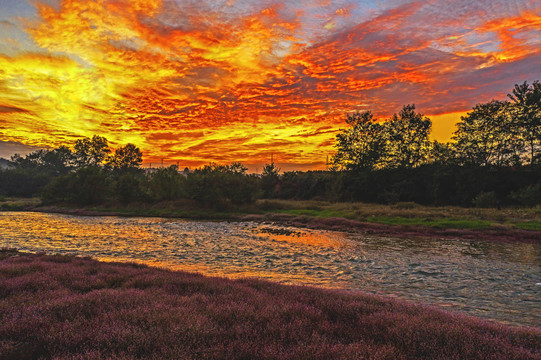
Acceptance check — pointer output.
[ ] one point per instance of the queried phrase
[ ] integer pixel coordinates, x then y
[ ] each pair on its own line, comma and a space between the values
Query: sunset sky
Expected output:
237, 80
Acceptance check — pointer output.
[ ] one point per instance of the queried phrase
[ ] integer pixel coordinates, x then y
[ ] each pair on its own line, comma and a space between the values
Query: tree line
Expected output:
494, 158
497, 133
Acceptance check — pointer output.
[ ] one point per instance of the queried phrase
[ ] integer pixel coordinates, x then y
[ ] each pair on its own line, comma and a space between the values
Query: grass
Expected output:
448, 223
411, 214
326, 213
77, 308
14, 204
405, 214
534, 225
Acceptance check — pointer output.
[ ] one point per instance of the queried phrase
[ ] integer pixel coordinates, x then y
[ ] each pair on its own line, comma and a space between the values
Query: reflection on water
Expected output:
494, 280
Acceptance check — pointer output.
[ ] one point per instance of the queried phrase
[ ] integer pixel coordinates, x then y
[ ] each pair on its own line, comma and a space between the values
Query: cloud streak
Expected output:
236, 80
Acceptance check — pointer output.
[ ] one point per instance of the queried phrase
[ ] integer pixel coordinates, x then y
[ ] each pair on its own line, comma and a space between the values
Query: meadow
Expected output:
77, 308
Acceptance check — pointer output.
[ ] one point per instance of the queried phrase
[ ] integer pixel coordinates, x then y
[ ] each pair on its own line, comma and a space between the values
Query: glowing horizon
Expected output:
236, 80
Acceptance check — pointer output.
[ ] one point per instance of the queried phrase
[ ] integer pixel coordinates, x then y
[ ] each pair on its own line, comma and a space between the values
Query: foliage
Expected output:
407, 133
270, 180
526, 113
85, 186
401, 141
363, 145
486, 200
216, 185
167, 184
91, 152
126, 157
486, 136
528, 196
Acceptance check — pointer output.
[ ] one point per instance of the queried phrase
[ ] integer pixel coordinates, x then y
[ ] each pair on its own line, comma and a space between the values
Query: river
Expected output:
500, 281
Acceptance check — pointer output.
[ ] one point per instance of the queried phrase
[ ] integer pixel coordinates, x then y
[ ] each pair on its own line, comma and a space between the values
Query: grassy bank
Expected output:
411, 214
402, 219
66, 308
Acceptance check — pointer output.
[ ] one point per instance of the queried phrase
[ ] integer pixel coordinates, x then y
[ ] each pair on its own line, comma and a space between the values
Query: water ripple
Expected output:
493, 280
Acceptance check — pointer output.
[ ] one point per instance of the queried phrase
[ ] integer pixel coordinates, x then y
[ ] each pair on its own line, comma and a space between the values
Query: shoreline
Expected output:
495, 233
74, 306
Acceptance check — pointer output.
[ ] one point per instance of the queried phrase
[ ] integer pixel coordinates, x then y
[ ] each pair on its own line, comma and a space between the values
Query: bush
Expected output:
486, 200
86, 186
129, 187
528, 196
167, 184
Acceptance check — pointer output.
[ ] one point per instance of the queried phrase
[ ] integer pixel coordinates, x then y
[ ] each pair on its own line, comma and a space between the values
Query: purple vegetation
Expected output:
77, 308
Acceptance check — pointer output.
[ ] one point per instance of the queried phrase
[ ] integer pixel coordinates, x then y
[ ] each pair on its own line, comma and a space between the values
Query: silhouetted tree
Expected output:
270, 180
443, 153
126, 157
90, 152
363, 145
408, 143
402, 141
85, 186
526, 114
218, 184
485, 136
167, 184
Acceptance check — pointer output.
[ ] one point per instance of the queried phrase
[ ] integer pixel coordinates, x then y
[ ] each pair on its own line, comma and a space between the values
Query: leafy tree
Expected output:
129, 186
237, 168
270, 180
443, 153
167, 184
90, 152
362, 145
485, 136
85, 186
126, 157
217, 185
402, 141
408, 143
526, 113
53, 162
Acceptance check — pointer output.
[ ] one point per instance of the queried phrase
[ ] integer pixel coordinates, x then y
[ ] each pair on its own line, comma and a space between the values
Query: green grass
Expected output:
528, 225
446, 223
323, 213
165, 212
13, 204
406, 214
411, 214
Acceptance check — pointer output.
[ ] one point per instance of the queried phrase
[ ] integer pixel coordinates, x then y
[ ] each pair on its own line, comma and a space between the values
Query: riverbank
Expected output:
404, 220
70, 307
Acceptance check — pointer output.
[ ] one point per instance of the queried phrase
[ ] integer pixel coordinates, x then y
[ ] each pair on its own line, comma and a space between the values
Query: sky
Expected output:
205, 81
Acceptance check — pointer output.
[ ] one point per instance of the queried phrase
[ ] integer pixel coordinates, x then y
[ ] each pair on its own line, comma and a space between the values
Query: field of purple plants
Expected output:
76, 308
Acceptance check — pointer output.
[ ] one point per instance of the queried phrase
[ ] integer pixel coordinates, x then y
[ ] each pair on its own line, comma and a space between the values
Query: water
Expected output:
499, 281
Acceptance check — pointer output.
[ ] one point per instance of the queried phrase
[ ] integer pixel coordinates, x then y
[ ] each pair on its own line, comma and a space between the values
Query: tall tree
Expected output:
362, 145
408, 143
91, 151
485, 136
526, 113
270, 180
125, 157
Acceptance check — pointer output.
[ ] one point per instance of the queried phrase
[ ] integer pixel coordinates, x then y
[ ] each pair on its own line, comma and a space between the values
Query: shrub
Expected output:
528, 196
485, 200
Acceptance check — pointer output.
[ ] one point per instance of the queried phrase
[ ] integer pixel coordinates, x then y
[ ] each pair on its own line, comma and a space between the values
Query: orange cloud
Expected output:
234, 81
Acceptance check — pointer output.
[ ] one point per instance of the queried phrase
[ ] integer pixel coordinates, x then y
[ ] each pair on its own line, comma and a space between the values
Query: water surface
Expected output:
499, 281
